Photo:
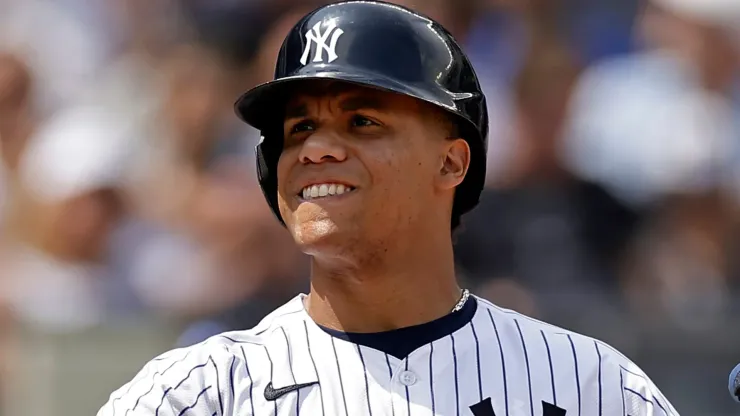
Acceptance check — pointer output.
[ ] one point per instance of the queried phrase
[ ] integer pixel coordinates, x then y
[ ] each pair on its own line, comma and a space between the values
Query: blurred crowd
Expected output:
128, 191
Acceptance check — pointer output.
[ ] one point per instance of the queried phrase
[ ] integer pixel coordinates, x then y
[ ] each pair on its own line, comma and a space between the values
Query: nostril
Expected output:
316, 160
316, 149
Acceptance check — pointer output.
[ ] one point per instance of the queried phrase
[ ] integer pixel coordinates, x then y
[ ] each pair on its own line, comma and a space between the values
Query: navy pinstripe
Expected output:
135, 381
251, 380
218, 386
231, 377
431, 373
272, 375
598, 353
657, 401
477, 360
638, 394
196, 401
408, 402
292, 374
526, 361
191, 372
156, 412
503, 362
578, 380
173, 364
367, 385
621, 384
390, 373
552, 372
315, 369
152, 387
454, 361
339, 372
169, 389
290, 354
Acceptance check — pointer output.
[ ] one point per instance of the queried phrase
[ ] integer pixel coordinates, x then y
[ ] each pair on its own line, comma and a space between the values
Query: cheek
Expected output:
283, 173
402, 182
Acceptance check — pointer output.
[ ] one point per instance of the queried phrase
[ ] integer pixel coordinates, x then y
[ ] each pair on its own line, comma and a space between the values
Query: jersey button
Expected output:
407, 378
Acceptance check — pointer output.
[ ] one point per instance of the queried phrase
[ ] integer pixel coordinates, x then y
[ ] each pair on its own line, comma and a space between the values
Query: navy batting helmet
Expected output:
377, 45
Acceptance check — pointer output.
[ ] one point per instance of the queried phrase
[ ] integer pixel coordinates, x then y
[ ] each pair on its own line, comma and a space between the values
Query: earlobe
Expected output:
455, 163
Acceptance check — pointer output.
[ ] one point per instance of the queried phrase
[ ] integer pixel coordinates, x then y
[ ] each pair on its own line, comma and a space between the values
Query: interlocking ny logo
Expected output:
315, 36
485, 408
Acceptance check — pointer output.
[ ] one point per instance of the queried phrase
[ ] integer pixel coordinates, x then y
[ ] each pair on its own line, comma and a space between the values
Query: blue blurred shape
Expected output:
734, 383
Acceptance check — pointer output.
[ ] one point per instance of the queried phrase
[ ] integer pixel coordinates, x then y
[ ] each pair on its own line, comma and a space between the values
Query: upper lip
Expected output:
311, 182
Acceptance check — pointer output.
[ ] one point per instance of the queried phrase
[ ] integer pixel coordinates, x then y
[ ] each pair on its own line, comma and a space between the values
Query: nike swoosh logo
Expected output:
272, 394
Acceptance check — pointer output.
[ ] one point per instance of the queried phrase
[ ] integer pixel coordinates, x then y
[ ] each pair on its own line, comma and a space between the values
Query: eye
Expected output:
302, 126
361, 121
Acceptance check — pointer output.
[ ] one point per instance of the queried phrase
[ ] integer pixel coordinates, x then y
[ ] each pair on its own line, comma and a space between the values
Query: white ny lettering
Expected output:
315, 36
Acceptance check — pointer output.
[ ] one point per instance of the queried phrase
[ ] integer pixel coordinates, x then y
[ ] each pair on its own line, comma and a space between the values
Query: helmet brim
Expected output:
260, 105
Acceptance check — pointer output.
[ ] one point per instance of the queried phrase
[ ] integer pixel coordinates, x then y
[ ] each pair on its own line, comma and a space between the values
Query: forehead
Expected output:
349, 96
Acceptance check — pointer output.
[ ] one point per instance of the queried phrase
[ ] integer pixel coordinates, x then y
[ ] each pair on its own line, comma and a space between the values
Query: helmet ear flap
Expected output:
267, 159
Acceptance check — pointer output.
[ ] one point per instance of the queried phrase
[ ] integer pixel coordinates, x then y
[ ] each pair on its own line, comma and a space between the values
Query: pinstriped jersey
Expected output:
499, 363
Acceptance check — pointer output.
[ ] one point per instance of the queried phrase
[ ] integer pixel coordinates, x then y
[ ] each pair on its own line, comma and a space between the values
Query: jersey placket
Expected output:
412, 384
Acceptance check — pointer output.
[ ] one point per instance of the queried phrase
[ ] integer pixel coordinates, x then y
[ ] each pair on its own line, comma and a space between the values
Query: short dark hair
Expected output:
447, 121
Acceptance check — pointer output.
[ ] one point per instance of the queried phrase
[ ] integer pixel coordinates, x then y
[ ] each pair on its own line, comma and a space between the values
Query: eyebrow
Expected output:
296, 111
361, 102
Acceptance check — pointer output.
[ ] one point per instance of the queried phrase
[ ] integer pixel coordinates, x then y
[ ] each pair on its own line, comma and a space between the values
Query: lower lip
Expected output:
328, 198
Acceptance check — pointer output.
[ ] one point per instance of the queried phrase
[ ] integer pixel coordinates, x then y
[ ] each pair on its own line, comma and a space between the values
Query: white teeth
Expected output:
323, 190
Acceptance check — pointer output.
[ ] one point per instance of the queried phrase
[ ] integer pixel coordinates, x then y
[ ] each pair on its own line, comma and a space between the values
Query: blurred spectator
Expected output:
658, 130
181, 129
679, 268
550, 236
71, 171
457, 16
660, 121
64, 56
199, 244
502, 34
16, 125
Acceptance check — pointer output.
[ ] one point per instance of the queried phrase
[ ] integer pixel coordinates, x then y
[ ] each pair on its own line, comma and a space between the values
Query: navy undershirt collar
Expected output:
401, 342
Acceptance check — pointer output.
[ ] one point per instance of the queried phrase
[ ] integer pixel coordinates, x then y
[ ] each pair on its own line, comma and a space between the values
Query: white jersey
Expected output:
500, 363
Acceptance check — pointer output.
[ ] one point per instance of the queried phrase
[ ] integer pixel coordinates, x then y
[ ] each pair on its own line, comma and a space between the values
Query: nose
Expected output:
322, 147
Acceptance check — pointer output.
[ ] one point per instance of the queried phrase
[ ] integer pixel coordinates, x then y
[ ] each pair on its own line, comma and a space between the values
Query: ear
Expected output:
454, 164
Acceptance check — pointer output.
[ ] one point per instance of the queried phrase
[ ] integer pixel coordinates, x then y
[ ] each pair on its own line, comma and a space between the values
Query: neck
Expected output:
402, 289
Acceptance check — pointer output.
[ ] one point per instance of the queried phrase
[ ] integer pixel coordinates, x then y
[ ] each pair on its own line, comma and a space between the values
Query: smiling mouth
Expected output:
324, 190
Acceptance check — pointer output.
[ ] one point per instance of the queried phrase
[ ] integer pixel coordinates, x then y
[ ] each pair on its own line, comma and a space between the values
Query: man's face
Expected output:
363, 164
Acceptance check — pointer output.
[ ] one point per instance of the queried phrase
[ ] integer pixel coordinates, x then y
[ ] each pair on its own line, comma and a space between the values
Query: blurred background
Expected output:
131, 221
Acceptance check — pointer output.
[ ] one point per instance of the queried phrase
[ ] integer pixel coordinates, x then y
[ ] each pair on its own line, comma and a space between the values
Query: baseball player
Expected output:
374, 142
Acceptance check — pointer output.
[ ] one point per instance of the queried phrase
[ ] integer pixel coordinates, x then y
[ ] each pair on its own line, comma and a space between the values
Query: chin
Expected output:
316, 236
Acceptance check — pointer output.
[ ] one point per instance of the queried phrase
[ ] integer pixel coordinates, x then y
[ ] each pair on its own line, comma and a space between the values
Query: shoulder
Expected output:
598, 371
180, 379
204, 378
